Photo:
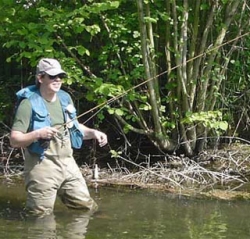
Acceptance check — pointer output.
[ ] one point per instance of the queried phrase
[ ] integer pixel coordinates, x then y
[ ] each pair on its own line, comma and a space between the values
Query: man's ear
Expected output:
38, 78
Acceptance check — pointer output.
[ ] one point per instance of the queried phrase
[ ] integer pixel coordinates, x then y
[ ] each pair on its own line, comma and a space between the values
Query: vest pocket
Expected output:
40, 116
76, 137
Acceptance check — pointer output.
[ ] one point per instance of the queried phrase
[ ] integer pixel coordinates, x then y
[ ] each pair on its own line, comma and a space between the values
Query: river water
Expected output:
126, 214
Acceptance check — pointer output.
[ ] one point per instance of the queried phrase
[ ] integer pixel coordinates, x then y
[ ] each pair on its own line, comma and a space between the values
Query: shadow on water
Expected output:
127, 214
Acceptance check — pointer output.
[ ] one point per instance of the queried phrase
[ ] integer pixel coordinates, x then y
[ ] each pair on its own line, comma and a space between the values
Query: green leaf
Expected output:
111, 111
119, 112
150, 19
145, 107
82, 50
115, 154
115, 4
223, 125
100, 116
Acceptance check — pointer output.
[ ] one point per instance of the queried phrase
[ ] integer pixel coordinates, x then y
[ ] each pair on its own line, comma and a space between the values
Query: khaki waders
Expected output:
56, 174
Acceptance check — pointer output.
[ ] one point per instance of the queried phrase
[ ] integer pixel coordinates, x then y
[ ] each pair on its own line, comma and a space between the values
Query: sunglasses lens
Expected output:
61, 76
52, 77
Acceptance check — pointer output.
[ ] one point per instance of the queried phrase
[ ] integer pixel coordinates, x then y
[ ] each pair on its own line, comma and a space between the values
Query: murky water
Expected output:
127, 214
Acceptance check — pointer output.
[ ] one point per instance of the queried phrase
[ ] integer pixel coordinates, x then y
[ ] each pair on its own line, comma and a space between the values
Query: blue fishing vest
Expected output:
40, 117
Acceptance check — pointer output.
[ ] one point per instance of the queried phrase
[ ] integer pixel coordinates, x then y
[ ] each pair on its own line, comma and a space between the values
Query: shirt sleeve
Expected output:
22, 117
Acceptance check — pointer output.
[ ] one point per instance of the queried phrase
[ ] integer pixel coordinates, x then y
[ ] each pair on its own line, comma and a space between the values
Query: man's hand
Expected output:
19, 139
90, 133
101, 138
47, 132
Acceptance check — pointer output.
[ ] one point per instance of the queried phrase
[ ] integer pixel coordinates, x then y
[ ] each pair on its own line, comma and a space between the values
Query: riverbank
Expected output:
216, 173
219, 173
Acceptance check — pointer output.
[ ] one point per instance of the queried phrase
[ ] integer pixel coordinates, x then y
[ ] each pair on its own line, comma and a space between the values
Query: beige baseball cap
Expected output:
50, 66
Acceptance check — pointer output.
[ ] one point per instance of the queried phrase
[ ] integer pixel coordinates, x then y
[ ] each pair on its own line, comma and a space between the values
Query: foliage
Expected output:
209, 119
162, 67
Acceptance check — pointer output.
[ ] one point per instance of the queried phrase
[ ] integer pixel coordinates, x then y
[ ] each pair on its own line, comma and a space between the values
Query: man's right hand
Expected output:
47, 132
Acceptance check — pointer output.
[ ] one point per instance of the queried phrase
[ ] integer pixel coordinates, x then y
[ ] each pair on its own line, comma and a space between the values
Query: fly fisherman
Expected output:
46, 126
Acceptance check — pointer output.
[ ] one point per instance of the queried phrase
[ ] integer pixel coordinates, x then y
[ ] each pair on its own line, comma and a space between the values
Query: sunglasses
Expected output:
61, 76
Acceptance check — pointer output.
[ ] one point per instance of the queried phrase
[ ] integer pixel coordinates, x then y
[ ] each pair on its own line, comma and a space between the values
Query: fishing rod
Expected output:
115, 98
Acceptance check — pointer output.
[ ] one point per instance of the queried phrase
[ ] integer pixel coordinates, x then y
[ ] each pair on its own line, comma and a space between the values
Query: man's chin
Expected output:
56, 88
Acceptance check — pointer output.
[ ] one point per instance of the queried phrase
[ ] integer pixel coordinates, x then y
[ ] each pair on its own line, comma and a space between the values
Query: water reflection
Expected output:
127, 215
213, 227
143, 215
15, 223
64, 224
72, 226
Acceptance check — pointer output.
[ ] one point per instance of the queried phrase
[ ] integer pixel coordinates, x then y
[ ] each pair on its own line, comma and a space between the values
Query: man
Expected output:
46, 126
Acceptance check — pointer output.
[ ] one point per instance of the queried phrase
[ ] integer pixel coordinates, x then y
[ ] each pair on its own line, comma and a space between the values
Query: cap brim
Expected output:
54, 72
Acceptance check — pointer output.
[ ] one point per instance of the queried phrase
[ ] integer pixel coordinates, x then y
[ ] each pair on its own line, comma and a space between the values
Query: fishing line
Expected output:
160, 74
111, 100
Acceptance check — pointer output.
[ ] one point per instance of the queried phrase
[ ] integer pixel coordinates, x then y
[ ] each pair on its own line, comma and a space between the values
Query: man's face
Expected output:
51, 83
